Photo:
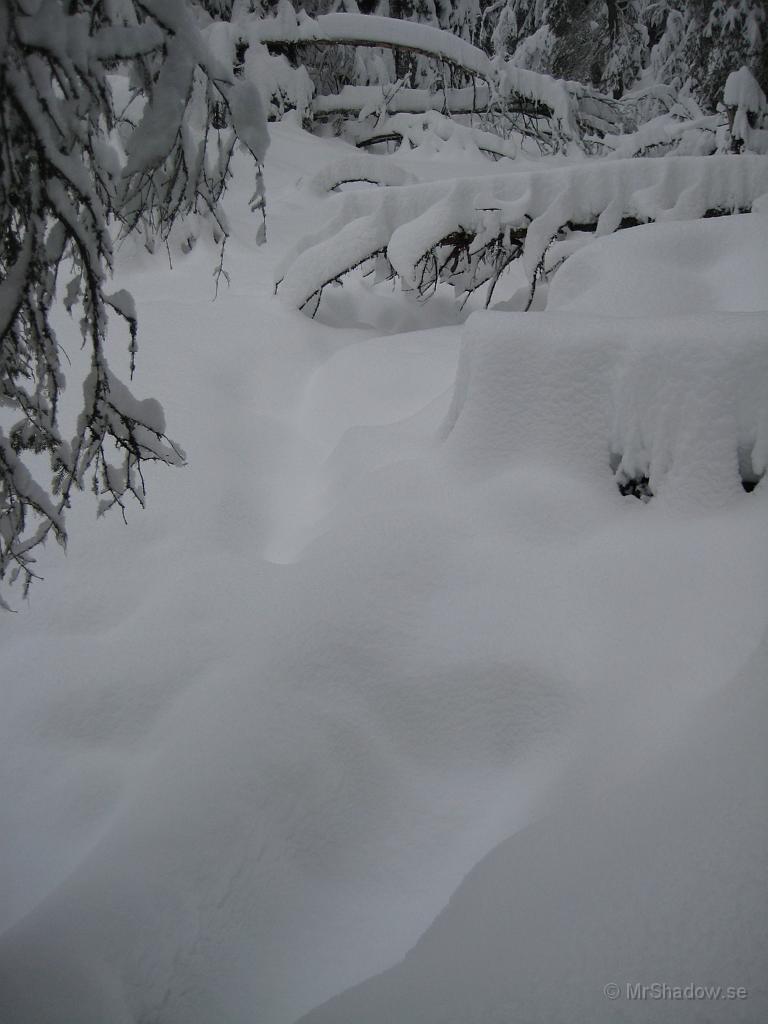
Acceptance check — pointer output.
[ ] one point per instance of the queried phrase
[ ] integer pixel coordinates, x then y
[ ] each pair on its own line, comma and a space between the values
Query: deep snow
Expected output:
394, 612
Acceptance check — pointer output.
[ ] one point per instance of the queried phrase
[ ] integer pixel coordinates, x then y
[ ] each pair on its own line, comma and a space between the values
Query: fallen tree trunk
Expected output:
354, 100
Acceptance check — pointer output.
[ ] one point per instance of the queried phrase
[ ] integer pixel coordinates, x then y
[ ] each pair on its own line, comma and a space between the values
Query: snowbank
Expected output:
358, 168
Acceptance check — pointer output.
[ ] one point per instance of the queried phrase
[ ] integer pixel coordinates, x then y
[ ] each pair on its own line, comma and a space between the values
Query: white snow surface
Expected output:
648, 884
393, 614
714, 265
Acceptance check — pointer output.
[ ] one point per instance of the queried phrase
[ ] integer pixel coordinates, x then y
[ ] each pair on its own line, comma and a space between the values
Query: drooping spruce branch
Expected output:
71, 167
468, 235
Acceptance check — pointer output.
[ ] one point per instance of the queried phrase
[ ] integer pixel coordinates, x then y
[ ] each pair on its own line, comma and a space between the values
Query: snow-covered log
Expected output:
360, 167
358, 100
468, 234
415, 130
697, 136
290, 27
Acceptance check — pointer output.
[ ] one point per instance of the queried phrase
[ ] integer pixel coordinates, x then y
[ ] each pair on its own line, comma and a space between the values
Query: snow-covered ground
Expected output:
394, 614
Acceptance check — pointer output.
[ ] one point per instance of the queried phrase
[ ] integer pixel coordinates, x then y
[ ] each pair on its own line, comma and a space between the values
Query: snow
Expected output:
372, 30
677, 398
503, 81
648, 884
714, 265
741, 90
743, 96
362, 167
415, 101
540, 89
407, 224
395, 615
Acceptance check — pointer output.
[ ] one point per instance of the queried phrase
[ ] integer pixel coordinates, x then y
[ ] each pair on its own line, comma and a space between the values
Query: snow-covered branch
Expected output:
290, 27
73, 161
468, 235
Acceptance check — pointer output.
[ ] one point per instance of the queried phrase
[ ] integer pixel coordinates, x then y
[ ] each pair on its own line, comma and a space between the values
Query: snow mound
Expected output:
680, 401
714, 265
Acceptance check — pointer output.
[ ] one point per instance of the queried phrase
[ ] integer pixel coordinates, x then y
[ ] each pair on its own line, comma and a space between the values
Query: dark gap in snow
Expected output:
749, 477
635, 487
638, 486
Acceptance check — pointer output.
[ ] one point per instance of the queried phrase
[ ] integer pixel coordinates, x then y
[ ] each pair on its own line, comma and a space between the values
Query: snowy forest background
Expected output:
429, 685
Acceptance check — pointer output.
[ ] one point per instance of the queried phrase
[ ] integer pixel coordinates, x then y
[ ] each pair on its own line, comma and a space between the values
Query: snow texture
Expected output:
677, 399
707, 266
648, 884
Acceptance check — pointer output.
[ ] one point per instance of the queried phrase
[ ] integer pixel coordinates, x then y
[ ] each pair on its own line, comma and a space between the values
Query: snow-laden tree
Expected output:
105, 127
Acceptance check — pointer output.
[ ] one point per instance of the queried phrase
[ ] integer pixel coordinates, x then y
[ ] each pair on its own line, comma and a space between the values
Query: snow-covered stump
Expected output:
467, 236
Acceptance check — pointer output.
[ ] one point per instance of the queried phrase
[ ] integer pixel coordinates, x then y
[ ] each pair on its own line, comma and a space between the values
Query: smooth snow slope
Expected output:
660, 881
252, 743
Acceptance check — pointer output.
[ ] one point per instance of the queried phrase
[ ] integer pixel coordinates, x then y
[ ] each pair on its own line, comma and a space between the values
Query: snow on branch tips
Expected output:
469, 235
73, 161
747, 109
